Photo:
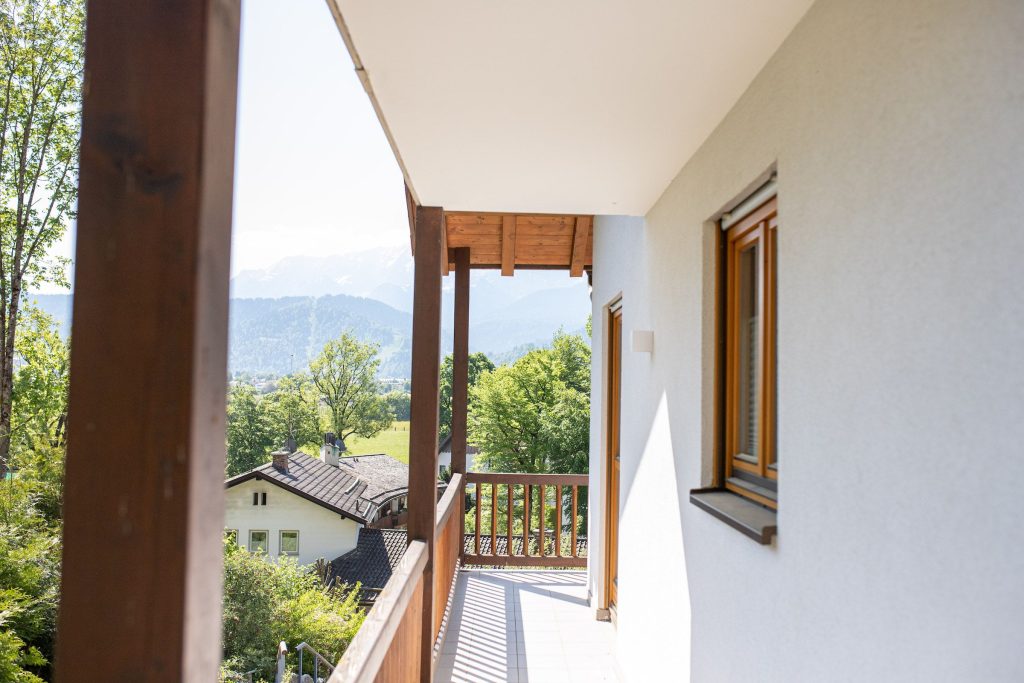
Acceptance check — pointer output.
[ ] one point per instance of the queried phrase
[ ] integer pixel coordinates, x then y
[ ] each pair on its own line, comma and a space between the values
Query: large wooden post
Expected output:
143, 495
460, 371
426, 369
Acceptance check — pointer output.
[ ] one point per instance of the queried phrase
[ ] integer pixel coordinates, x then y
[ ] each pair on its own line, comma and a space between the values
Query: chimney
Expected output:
280, 459
329, 451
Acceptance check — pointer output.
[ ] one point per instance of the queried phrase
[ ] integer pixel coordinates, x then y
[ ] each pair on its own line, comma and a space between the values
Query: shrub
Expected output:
266, 602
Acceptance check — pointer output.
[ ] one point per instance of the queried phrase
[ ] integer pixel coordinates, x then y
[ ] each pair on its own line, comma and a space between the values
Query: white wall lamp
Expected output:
642, 341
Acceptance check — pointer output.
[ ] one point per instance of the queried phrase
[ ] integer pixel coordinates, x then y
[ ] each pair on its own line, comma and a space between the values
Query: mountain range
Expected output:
281, 317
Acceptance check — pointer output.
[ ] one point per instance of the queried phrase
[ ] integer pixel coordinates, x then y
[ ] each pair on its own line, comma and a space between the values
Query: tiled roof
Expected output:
377, 553
517, 544
354, 489
385, 476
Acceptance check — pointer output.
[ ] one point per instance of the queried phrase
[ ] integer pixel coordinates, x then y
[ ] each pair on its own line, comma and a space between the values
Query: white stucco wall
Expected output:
898, 132
322, 533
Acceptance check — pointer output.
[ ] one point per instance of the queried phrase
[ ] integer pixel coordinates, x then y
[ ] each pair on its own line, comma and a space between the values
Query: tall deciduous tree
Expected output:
293, 410
250, 431
534, 415
478, 364
41, 56
345, 375
40, 394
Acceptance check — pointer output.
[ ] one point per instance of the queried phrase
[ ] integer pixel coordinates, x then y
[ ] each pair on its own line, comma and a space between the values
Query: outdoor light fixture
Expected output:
642, 342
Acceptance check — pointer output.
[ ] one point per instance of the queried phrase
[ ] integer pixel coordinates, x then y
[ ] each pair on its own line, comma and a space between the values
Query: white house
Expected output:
313, 508
444, 456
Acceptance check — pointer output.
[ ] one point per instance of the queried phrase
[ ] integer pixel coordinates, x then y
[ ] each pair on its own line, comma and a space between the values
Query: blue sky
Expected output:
314, 173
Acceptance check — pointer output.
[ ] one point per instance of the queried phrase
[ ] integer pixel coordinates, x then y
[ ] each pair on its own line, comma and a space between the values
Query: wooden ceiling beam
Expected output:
580, 239
445, 262
508, 245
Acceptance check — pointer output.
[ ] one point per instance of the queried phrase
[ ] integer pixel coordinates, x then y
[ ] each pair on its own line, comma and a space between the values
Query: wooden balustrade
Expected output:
449, 546
536, 493
387, 647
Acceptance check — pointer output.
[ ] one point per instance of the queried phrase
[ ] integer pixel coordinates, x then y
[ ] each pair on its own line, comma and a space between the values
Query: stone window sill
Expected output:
746, 516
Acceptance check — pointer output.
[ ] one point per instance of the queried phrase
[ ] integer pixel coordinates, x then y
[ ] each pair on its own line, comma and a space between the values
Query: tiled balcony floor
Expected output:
521, 626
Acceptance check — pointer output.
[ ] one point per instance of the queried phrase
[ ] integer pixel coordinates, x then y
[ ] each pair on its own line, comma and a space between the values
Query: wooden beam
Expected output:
581, 237
426, 367
508, 245
143, 493
460, 361
410, 208
460, 370
445, 261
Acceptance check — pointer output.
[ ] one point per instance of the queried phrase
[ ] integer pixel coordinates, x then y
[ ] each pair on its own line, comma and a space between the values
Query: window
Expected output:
750, 461
289, 543
231, 535
259, 498
258, 542
263, 498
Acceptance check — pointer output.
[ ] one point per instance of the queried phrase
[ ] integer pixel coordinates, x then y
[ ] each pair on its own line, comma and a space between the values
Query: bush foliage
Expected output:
266, 602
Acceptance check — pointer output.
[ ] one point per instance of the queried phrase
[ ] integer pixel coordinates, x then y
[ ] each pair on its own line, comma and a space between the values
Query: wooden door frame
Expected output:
613, 308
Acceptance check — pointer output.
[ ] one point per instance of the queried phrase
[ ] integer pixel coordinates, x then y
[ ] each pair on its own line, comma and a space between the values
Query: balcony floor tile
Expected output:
514, 626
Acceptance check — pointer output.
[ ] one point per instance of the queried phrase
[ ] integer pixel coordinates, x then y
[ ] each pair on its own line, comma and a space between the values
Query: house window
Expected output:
263, 498
258, 542
289, 542
255, 498
750, 461
231, 535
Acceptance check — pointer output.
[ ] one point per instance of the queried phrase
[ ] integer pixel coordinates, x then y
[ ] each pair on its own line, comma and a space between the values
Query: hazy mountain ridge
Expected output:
281, 334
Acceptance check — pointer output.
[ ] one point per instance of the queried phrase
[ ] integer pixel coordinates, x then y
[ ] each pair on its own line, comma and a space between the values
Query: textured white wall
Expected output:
322, 533
897, 129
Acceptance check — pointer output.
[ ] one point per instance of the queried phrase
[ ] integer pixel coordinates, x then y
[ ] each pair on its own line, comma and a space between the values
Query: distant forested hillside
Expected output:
278, 336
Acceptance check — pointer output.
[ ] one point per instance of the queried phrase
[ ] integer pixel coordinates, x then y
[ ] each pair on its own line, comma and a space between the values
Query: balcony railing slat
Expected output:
377, 651
558, 485
558, 521
508, 534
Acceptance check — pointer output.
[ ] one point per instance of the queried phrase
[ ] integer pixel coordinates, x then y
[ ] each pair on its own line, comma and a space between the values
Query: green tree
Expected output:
293, 410
399, 402
266, 602
345, 375
478, 364
40, 395
534, 415
250, 430
41, 56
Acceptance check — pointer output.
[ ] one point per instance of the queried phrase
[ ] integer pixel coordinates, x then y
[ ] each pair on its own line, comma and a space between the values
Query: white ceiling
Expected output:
561, 106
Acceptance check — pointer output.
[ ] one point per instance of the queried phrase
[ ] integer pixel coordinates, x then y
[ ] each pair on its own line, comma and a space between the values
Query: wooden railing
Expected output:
448, 536
387, 647
517, 540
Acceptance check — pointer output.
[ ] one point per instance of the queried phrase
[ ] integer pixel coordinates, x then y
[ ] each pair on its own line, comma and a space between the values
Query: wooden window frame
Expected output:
757, 482
280, 542
259, 531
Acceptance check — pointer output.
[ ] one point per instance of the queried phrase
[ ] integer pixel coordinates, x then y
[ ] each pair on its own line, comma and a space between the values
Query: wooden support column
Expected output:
460, 371
143, 494
425, 400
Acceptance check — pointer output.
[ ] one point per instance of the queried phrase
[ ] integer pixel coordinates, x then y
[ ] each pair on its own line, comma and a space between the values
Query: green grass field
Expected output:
394, 441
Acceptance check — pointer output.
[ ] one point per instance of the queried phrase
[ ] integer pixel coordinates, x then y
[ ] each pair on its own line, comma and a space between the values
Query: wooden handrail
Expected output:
449, 501
529, 479
366, 654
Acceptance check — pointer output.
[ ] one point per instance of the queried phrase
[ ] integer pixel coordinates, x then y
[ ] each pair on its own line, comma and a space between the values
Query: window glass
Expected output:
289, 542
749, 353
258, 541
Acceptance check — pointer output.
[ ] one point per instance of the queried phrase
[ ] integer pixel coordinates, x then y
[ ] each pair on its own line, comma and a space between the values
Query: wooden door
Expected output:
614, 412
